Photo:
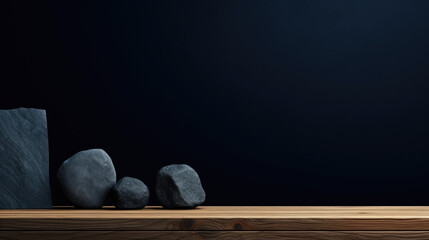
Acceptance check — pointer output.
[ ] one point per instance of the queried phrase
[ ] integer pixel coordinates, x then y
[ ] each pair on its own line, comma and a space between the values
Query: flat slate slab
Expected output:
24, 159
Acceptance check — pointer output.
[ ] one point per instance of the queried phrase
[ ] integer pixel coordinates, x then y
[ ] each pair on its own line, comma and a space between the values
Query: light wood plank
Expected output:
220, 218
222, 235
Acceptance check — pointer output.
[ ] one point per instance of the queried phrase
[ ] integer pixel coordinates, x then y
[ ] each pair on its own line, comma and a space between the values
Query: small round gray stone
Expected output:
87, 177
179, 186
130, 193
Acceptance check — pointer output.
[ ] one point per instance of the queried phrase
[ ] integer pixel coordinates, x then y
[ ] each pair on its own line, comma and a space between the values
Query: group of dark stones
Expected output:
89, 177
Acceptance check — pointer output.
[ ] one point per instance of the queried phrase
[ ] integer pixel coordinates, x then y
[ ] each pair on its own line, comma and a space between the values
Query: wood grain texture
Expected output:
223, 235
211, 218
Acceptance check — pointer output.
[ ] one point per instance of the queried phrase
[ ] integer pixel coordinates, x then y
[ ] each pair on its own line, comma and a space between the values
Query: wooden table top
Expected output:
226, 212
220, 218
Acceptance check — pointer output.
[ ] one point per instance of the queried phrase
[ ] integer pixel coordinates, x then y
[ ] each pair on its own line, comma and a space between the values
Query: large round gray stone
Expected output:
179, 186
130, 193
87, 177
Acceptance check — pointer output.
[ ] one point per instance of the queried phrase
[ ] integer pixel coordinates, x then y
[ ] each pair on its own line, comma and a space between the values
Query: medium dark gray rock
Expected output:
24, 159
179, 186
130, 193
87, 177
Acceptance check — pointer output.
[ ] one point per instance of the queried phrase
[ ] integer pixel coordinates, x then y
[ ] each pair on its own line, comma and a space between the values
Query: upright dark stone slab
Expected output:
24, 159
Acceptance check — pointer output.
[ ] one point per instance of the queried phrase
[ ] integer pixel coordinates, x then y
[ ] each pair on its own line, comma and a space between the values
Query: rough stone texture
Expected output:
24, 159
179, 186
130, 193
87, 177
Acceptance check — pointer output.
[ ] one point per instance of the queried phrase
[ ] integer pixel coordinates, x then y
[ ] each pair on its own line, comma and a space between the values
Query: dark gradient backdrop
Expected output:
272, 102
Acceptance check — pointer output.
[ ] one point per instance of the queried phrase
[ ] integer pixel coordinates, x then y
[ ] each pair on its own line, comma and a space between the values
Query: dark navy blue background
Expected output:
272, 102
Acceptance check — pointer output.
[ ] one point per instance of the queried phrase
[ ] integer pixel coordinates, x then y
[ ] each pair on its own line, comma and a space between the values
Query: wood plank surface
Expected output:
220, 218
222, 235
